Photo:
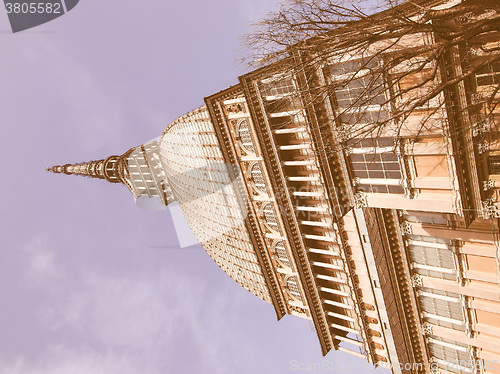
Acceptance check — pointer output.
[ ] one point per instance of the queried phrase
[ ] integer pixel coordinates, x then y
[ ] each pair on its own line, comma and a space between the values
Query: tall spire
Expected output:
108, 169
139, 169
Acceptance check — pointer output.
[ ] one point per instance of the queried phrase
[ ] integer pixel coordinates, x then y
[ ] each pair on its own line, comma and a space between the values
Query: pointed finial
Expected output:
108, 169
55, 169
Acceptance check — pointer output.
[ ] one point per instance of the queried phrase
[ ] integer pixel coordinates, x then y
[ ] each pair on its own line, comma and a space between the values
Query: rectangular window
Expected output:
494, 164
448, 354
440, 220
359, 91
277, 86
441, 308
432, 257
384, 165
376, 165
488, 75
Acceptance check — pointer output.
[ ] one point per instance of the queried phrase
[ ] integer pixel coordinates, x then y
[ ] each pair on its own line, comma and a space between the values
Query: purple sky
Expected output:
87, 284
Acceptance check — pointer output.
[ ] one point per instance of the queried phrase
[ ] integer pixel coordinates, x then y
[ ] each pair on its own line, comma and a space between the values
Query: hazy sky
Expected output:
91, 284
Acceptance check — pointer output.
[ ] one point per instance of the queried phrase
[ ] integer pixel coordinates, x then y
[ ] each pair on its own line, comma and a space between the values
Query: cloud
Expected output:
156, 322
62, 360
41, 266
142, 321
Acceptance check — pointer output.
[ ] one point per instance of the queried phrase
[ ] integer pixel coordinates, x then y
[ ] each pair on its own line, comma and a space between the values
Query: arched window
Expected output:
281, 253
293, 287
258, 178
245, 136
270, 216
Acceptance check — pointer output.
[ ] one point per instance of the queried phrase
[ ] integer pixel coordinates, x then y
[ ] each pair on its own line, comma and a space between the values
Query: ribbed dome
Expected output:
206, 189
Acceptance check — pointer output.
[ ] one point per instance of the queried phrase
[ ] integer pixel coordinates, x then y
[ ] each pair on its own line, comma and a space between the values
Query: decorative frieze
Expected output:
234, 108
299, 310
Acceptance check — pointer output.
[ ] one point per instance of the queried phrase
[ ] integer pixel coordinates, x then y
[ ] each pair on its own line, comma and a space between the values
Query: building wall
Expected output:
430, 169
456, 277
324, 179
335, 253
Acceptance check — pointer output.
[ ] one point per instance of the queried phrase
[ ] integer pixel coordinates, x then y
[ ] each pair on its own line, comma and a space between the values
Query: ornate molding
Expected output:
476, 98
360, 200
406, 228
228, 148
414, 345
490, 209
427, 328
234, 108
417, 281
488, 185
342, 133
483, 147
479, 124
434, 369
284, 201
357, 296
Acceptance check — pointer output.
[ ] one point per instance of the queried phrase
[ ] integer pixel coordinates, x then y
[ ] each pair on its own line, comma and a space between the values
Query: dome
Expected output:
206, 189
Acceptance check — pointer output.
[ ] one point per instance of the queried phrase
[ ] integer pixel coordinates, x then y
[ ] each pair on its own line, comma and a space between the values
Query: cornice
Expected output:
284, 201
256, 236
354, 283
461, 138
399, 263
335, 178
